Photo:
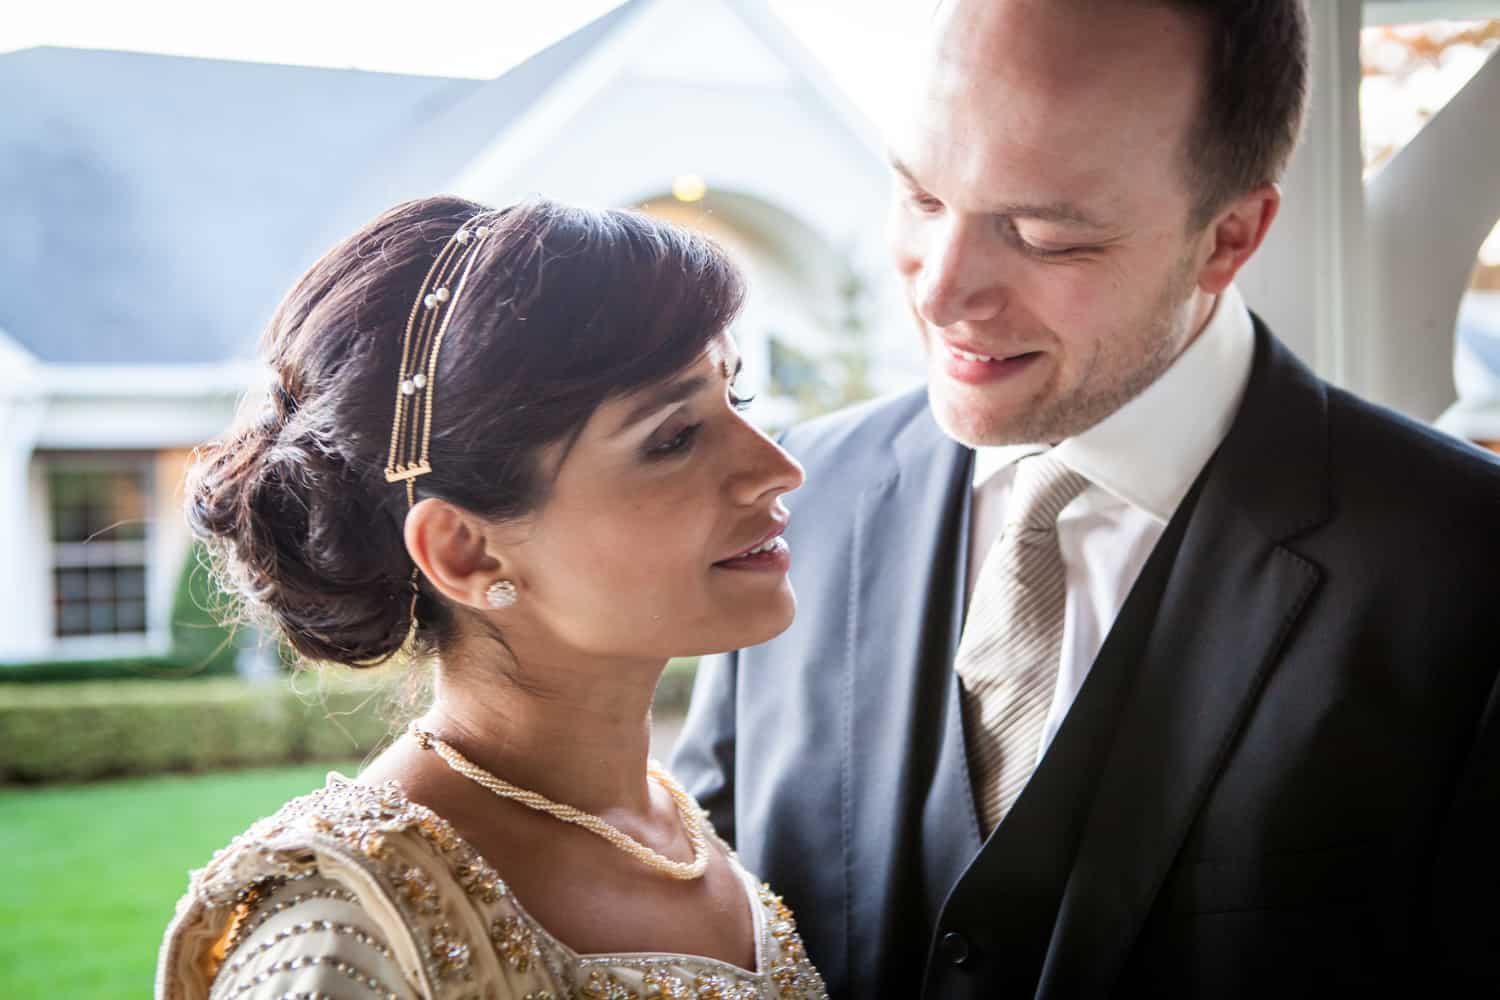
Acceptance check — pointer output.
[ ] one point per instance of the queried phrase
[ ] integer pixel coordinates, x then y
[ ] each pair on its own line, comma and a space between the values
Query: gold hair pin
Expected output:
411, 429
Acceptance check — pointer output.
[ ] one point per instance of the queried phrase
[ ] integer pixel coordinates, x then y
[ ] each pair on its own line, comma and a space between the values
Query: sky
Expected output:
856, 39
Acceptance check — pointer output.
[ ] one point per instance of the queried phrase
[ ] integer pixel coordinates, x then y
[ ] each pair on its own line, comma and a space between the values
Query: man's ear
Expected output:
449, 546
1235, 234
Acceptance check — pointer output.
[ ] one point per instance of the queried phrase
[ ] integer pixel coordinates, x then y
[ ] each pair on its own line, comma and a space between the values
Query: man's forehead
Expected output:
1011, 94
1064, 44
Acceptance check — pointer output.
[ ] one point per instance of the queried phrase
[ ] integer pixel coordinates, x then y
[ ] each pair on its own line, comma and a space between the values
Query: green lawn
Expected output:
93, 871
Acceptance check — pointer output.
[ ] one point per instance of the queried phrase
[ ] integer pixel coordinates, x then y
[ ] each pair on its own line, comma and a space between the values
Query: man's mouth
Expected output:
963, 355
973, 368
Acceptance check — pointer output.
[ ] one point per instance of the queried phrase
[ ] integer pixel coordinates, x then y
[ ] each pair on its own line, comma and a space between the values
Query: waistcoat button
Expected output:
954, 947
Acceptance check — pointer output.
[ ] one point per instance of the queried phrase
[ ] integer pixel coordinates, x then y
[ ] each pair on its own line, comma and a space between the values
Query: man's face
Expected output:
1040, 217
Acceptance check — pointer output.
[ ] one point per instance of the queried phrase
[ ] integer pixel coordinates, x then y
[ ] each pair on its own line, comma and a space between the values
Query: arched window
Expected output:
1476, 363
1410, 72
804, 331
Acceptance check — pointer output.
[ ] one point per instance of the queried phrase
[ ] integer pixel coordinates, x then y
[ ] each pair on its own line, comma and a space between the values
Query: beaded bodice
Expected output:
358, 883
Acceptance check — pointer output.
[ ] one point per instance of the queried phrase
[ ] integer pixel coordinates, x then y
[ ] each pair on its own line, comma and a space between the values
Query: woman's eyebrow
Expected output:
662, 397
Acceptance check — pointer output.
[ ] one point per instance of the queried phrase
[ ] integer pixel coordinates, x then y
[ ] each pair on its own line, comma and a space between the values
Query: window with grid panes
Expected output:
99, 545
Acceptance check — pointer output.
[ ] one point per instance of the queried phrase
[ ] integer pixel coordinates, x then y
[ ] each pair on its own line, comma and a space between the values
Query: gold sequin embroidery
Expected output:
381, 825
515, 943
603, 986
449, 953
660, 985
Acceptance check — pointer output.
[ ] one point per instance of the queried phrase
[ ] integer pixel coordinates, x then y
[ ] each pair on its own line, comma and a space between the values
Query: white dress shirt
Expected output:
1140, 462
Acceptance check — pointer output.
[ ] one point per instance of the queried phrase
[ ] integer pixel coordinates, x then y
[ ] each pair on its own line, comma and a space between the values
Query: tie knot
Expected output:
1043, 487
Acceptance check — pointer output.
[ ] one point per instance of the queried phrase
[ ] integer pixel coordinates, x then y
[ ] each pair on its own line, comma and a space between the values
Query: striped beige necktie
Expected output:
1012, 640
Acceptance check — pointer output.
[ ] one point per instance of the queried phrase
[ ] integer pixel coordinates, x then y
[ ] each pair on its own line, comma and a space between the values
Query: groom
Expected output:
1132, 659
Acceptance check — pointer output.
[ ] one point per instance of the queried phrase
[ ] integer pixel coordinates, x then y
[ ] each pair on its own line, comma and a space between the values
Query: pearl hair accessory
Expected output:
501, 594
426, 326
411, 429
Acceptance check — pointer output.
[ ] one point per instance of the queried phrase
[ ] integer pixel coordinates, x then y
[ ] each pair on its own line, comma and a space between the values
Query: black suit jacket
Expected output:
1282, 773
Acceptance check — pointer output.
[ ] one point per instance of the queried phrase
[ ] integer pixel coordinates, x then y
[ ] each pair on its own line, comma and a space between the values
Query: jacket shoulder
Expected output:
1413, 510
862, 430
1408, 460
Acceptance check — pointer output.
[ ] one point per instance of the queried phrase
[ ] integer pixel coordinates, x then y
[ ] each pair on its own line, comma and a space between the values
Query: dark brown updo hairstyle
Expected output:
565, 308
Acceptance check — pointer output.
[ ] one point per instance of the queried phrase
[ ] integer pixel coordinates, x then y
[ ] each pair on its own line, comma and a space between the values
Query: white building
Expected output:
153, 210
1363, 280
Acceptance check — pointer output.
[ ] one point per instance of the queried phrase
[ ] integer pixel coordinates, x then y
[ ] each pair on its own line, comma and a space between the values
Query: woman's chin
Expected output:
776, 619
740, 630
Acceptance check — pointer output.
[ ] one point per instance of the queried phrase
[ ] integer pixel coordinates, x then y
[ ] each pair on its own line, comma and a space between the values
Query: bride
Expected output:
508, 444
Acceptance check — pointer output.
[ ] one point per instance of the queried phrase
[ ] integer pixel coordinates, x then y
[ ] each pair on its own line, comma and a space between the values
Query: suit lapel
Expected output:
903, 752
1234, 596
1007, 901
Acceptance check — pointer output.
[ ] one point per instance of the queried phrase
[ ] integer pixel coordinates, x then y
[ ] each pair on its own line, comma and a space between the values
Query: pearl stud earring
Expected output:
501, 594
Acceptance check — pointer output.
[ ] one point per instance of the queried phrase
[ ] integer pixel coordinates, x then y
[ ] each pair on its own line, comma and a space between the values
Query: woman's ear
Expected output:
450, 547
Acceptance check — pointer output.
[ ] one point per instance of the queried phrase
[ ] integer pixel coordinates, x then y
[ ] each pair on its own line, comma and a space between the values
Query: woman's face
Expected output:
640, 548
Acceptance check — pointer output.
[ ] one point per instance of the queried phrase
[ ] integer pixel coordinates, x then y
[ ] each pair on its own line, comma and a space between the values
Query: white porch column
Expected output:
25, 622
1308, 280
1429, 210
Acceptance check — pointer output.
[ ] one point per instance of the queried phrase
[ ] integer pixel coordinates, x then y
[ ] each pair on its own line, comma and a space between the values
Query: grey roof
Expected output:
153, 209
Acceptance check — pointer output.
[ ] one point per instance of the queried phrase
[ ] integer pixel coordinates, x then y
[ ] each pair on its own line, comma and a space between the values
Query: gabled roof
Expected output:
154, 208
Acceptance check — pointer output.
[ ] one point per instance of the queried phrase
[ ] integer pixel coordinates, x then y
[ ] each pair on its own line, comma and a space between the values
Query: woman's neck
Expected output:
578, 734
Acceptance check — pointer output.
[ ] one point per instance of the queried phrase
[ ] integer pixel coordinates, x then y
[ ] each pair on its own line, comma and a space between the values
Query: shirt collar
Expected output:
1149, 451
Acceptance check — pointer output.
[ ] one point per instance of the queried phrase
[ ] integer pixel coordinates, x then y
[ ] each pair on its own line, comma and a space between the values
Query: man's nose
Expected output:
957, 281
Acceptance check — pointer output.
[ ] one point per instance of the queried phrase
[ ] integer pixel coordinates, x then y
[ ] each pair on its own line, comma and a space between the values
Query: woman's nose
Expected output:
768, 471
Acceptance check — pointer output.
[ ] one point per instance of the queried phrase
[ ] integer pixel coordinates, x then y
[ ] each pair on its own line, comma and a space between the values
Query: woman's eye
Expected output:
681, 441
924, 203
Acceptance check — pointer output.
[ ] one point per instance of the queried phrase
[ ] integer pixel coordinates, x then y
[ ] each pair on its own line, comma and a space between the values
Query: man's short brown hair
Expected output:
1255, 89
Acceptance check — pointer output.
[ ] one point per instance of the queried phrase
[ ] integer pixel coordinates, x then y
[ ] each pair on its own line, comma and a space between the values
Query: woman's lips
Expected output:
774, 555
771, 552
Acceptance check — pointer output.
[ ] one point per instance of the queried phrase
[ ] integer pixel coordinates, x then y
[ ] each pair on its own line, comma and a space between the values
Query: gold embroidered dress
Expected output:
356, 891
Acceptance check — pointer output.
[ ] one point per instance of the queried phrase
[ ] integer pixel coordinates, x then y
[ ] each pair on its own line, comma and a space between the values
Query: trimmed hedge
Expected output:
85, 730
676, 687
